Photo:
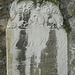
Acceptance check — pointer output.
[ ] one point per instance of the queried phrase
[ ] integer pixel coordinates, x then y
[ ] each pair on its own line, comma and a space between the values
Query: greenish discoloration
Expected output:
67, 27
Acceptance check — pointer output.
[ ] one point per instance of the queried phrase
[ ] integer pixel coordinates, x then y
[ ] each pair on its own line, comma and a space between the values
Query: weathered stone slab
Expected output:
36, 41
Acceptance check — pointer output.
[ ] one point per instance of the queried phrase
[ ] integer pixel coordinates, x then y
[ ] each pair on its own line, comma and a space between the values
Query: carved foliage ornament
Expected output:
24, 14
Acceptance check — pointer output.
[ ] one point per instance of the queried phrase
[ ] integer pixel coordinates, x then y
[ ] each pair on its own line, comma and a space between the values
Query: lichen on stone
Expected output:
66, 27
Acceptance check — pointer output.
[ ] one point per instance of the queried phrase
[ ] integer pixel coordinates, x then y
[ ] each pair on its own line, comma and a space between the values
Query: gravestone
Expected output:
36, 41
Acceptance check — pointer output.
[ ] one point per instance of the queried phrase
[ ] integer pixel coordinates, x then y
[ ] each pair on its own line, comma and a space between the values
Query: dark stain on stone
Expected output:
21, 45
26, 16
20, 17
52, 25
2, 30
21, 68
48, 23
25, 19
32, 65
34, 70
48, 63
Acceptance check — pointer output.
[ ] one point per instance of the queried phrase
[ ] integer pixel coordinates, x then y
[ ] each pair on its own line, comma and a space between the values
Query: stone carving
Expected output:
37, 32
36, 18
19, 11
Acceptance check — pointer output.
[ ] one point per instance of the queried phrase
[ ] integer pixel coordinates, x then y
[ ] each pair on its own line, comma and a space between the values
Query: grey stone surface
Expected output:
68, 11
48, 62
21, 44
71, 19
71, 8
40, 54
4, 15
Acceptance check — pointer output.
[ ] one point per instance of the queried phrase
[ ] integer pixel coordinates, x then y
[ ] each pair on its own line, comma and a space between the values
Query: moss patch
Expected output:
66, 27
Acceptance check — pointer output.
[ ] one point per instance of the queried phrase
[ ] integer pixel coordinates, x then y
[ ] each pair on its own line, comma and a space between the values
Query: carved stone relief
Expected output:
36, 45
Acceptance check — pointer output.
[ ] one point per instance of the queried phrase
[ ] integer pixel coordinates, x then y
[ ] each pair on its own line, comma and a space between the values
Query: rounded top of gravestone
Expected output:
46, 14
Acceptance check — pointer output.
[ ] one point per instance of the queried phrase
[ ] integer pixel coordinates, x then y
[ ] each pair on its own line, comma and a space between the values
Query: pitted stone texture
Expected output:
72, 46
72, 22
71, 8
72, 52
48, 56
